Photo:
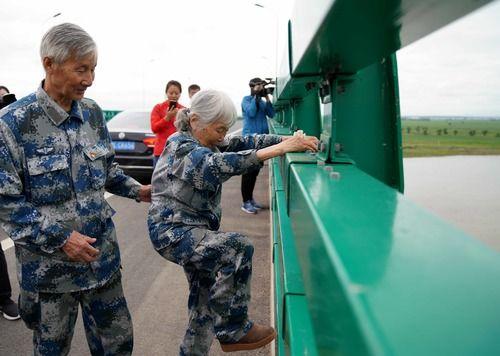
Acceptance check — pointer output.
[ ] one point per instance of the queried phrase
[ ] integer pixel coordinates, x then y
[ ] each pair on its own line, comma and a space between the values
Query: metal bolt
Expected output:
335, 175
320, 163
328, 168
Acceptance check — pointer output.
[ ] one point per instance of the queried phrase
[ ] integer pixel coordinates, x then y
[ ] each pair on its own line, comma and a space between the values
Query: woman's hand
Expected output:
171, 114
299, 143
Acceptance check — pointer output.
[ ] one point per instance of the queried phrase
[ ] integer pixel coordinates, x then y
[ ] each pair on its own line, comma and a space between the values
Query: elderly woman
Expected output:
185, 214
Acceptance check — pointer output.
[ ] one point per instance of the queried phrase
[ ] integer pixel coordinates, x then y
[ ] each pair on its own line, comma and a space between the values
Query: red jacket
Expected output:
163, 129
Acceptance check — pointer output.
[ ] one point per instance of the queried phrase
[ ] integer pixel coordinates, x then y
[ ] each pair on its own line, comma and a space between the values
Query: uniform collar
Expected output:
57, 114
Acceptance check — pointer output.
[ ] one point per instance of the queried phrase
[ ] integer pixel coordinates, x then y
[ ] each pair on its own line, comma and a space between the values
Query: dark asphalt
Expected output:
156, 290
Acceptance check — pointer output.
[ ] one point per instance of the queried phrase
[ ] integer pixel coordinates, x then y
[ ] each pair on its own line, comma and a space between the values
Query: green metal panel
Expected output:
306, 113
109, 114
299, 335
285, 163
284, 69
297, 88
366, 122
279, 128
277, 180
287, 116
347, 35
292, 279
293, 323
383, 276
278, 302
379, 275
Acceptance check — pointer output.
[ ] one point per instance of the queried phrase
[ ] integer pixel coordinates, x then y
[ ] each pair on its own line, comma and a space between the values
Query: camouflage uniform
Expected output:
54, 168
183, 221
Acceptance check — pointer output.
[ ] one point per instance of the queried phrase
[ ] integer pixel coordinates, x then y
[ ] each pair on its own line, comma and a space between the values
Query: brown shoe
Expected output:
257, 336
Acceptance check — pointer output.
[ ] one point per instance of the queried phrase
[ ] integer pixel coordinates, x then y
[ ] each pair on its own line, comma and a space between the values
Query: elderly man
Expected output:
56, 161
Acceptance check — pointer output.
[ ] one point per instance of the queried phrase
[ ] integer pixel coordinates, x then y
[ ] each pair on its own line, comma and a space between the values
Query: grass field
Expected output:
425, 137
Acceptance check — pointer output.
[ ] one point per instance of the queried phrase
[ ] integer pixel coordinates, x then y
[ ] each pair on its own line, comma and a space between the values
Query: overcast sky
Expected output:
223, 43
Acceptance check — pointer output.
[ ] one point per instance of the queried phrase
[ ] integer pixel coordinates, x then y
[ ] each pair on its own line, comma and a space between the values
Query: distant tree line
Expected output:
444, 131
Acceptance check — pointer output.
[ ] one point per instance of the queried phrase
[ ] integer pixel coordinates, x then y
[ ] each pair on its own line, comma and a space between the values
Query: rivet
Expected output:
335, 175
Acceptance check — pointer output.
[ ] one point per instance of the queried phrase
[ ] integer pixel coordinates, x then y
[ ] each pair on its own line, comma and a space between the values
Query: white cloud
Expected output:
219, 44
223, 43
455, 70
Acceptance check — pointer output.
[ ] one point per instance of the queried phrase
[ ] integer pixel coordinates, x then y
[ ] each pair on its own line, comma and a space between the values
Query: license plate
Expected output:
124, 145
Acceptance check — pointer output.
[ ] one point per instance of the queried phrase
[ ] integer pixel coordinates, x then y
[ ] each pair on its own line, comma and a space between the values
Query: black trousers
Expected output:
5, 289
248, 184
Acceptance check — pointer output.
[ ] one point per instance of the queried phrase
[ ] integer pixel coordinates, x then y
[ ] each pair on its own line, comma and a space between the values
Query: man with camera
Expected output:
256, 107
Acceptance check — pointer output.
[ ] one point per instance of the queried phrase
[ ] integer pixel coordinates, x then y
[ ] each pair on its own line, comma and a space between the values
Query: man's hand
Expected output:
79, 249
145, 193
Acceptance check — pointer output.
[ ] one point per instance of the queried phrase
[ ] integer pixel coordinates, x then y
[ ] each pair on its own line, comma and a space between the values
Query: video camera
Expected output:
268, 86
7, 99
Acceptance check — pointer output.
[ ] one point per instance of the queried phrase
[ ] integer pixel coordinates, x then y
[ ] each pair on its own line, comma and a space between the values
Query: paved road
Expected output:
156, 290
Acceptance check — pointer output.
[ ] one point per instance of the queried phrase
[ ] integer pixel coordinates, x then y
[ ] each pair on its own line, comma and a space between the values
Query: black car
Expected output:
133, 141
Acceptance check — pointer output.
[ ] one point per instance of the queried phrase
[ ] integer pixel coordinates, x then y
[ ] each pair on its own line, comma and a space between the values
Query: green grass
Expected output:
424, 137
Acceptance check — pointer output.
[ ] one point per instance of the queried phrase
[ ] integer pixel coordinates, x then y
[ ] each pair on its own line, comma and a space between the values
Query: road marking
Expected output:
8, 243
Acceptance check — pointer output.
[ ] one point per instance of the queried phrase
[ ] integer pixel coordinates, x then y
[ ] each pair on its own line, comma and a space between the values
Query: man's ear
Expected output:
48, 64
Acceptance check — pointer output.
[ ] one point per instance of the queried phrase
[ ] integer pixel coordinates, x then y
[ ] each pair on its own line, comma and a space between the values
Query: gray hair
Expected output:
66, 40
210, 106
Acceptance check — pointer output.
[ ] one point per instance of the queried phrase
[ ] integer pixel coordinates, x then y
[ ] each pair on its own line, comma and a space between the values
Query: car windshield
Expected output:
135, 121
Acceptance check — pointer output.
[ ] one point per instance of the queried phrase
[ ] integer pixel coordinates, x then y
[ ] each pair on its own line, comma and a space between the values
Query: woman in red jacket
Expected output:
163, 117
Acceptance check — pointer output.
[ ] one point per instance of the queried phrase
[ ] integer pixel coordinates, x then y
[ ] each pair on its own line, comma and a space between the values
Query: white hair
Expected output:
210, 106
66, 40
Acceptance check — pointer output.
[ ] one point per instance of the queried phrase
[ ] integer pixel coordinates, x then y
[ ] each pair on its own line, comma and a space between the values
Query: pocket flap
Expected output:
44, 164
107, 211
96, 151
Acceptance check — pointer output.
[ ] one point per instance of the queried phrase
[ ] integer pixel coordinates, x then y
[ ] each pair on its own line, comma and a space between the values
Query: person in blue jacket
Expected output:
255, 110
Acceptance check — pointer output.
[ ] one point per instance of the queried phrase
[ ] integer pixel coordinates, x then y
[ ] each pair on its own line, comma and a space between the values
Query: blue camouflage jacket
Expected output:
54, 169
187, 182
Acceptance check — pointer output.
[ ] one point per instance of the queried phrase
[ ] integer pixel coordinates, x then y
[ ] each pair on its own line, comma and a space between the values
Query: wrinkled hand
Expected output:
299, 143
78, 248
145, 193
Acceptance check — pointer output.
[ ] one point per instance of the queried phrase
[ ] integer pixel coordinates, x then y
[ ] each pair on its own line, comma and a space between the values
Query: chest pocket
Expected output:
96, 160
50, 179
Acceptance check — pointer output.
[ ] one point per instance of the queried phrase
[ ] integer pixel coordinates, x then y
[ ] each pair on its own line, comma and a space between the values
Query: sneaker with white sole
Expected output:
256, 205
248, 208
9, 310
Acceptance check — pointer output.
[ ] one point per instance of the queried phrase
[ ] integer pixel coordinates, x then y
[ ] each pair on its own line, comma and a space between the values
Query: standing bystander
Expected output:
193, 89
7, 306
255, 112
163, 117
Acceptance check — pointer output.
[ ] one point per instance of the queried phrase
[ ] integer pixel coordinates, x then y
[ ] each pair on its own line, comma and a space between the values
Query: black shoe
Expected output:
10, 310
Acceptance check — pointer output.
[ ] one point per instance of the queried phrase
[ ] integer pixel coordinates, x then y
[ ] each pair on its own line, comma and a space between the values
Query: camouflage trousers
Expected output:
218, 267
52, 317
